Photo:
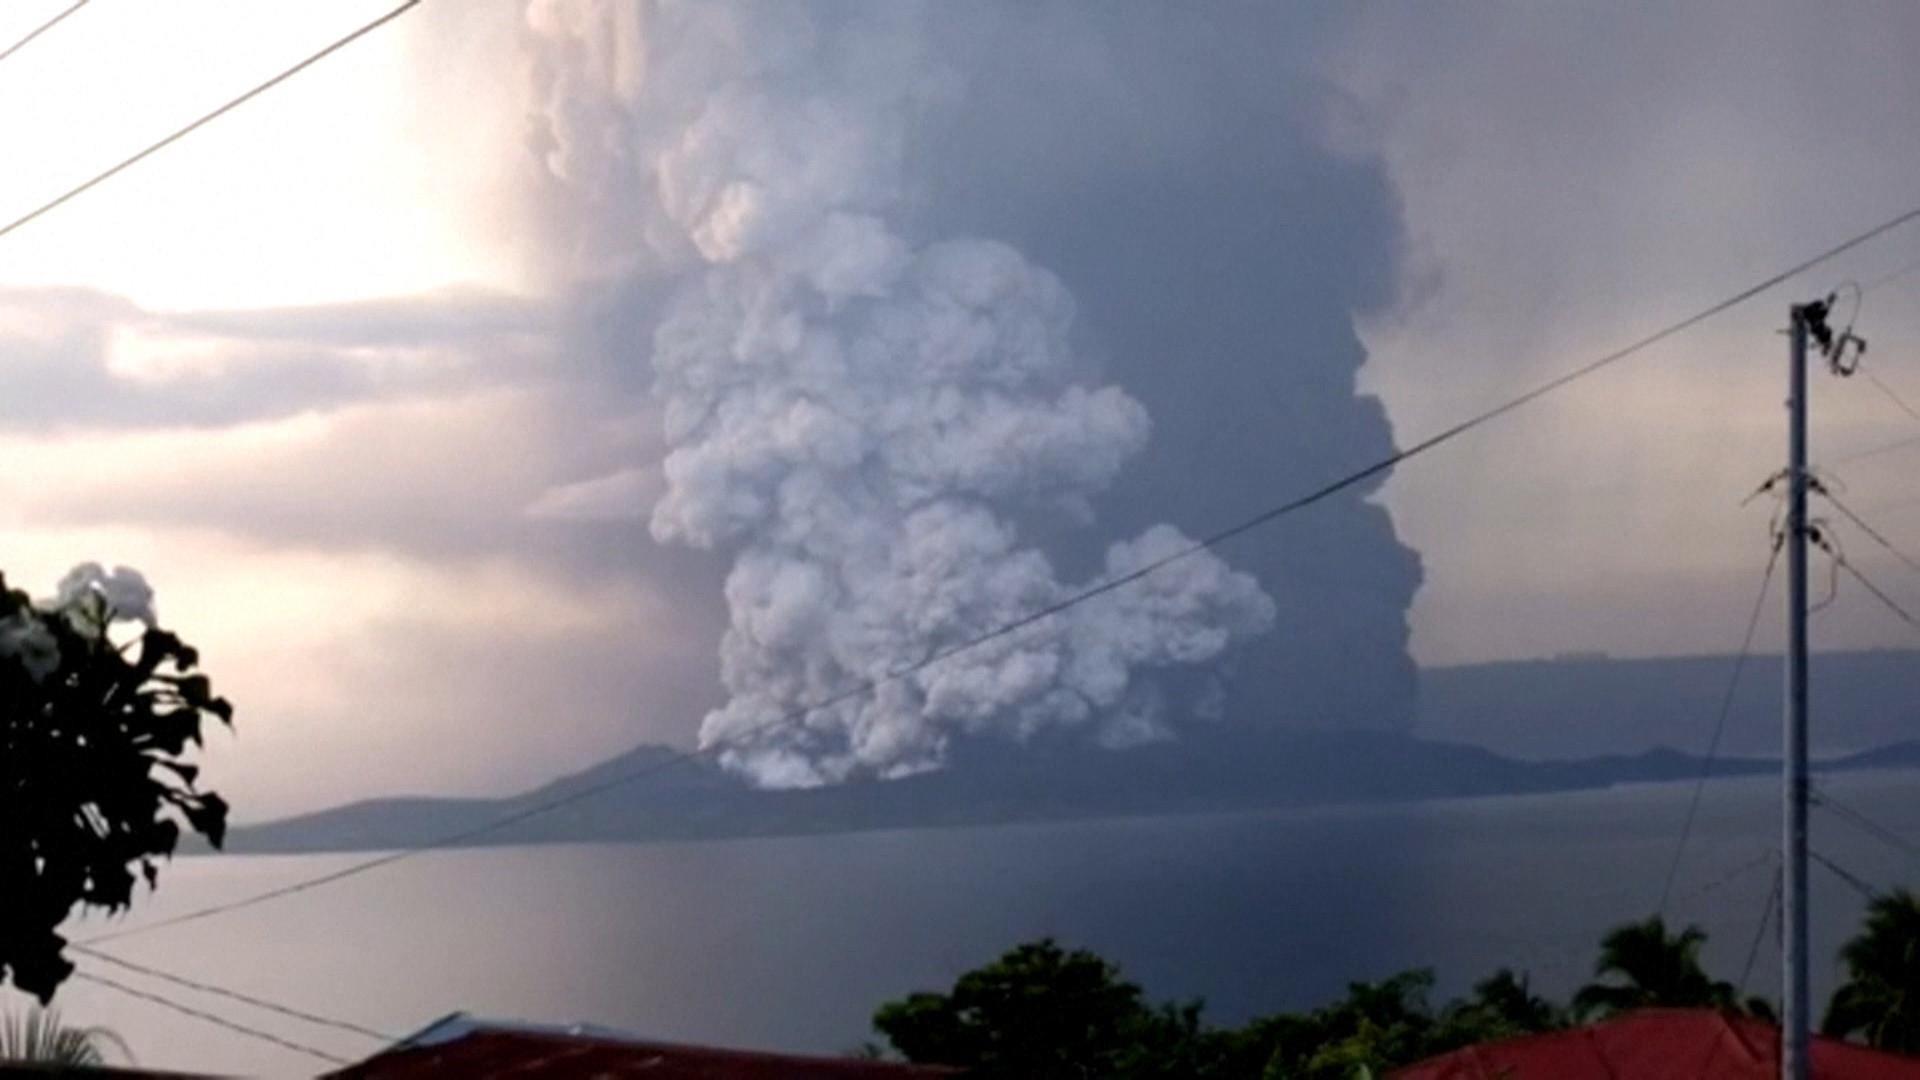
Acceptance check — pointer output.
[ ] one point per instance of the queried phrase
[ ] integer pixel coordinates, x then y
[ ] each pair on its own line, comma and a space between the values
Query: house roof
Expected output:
1657, 1044
464, 1046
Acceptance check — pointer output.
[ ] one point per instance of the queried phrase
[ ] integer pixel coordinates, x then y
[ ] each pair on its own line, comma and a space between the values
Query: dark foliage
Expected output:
1044, 1012
1041, 1011
94, 785
1880, 1001
1643, 966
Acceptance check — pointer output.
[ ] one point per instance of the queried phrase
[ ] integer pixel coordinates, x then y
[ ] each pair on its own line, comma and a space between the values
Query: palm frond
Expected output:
1880, 1001
38, 1036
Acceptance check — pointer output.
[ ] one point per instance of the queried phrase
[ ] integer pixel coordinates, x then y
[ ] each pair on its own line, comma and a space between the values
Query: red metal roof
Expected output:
1658, 1044
532, 1055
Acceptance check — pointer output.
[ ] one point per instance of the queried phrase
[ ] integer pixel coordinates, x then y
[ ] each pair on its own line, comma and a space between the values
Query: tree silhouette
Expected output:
37, 1037
1651, 968
1039, 1011
1376, 1026
1880, 1001
1043, 1012
94, 781
1503, 1006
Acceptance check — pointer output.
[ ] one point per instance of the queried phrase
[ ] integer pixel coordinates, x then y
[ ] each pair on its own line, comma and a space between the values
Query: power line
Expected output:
1760, 932
41, 29
1720, 722
866, 686
213, 1018
1891, 395
209, 117
235, 995
1872, 533
1563, 952
1876, 451
1878, 593
1765, 856
1860, 886
1894, 504
1859, 298
1873, 828
1891, 277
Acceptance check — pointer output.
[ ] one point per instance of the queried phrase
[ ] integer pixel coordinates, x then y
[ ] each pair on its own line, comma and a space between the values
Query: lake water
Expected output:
790, 943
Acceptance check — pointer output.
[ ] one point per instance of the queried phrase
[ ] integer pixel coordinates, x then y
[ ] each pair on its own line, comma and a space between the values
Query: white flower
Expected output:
26, 637
124, 593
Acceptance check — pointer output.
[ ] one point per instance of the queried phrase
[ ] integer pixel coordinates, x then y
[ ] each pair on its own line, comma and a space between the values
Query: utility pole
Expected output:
1793, 842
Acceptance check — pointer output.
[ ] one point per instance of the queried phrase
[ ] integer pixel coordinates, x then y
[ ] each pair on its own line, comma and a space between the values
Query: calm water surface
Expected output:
790, 943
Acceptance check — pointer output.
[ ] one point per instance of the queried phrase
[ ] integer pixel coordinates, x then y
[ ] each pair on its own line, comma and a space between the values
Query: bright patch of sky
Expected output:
346, 182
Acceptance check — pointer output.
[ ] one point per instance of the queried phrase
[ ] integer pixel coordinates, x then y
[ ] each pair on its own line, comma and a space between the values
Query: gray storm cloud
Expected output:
852, 413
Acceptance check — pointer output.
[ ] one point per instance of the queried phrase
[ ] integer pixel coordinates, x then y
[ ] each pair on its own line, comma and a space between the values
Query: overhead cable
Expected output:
1767, 909
1892, 395
1825, 800
1720, 721
41, 29
212, 1018
1879, 594
1854, 880
156, 147
1891, 276
235, 995
1875, 451
1872, 533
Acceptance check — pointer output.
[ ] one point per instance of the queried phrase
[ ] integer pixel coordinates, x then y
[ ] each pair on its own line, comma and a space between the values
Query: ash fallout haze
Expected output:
600, 423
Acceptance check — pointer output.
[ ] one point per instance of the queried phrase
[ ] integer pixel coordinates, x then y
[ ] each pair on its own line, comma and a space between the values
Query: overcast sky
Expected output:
365, 392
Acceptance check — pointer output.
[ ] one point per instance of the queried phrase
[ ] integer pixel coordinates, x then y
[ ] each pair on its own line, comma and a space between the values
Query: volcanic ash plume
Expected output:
859, 418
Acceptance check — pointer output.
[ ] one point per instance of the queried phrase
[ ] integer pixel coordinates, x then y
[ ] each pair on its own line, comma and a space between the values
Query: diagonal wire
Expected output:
1765, 856
1859, 885
1876, 451
1891, 394
1872, 533
866, 686
41, 29
1720, 722
1891, 276
235, 995
1760, 932
212, 1018
154, 148
1878, 593
1826, 801
1859, 294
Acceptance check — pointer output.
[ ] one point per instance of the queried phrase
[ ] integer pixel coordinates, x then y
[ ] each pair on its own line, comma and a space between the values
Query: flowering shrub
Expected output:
97, 708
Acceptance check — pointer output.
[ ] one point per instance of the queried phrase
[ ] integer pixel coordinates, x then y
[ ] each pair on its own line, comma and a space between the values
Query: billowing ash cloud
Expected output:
855, 438
851, 412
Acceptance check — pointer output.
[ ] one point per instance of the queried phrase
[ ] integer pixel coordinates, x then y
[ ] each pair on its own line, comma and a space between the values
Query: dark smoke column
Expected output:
1164, 162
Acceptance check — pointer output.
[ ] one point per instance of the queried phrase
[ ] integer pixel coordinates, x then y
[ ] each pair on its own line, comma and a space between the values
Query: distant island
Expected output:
1574, 722
1579, 705
1226, 770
